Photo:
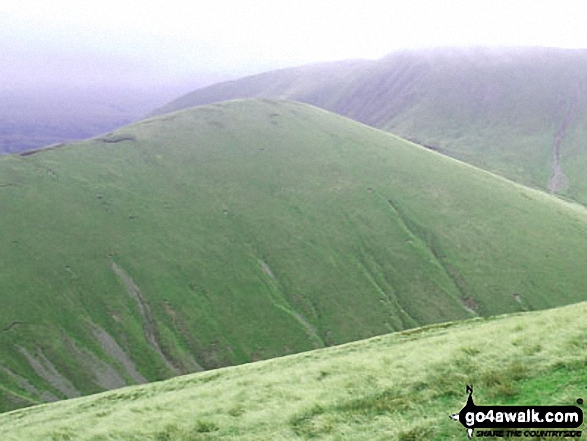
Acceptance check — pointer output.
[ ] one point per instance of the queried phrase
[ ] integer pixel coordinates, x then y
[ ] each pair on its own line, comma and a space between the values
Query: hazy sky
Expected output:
154, 41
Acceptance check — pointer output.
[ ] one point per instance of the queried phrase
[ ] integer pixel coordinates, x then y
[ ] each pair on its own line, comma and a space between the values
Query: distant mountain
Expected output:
519, 112
251, 229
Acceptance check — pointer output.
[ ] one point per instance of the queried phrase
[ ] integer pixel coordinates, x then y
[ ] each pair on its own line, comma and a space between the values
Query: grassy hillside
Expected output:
521, 113
252, 229
400, 386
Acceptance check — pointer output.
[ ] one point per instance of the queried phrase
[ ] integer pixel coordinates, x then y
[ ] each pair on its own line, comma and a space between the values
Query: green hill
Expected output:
400, 386
252, 229
518, 112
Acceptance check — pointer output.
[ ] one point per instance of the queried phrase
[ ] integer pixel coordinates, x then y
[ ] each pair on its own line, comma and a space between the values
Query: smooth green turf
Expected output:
496, 108
253, 229
401, 386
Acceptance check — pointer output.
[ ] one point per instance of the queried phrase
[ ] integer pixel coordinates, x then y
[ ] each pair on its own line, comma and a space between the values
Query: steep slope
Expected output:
520, 112
401, 386
251, 229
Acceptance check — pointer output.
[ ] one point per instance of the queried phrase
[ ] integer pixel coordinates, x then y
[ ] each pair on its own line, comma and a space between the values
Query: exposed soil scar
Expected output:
112, 348
12, 325
558, 180
48, 372
149, 324
112, 139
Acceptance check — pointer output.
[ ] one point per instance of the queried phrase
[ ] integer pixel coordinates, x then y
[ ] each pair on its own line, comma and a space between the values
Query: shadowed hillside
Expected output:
519, 112
248, 230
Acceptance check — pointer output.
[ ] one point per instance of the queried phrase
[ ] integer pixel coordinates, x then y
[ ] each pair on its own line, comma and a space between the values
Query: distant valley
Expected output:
36, 117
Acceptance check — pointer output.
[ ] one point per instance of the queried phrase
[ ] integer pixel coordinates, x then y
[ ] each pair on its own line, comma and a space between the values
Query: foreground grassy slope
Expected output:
519, 112
400, 386
253, 229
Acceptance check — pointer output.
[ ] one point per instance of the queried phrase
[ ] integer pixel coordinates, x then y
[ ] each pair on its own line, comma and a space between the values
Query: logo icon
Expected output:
474, 417
470, 405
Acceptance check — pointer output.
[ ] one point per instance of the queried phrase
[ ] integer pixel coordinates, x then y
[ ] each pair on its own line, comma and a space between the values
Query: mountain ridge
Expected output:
251, 229
501, 109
